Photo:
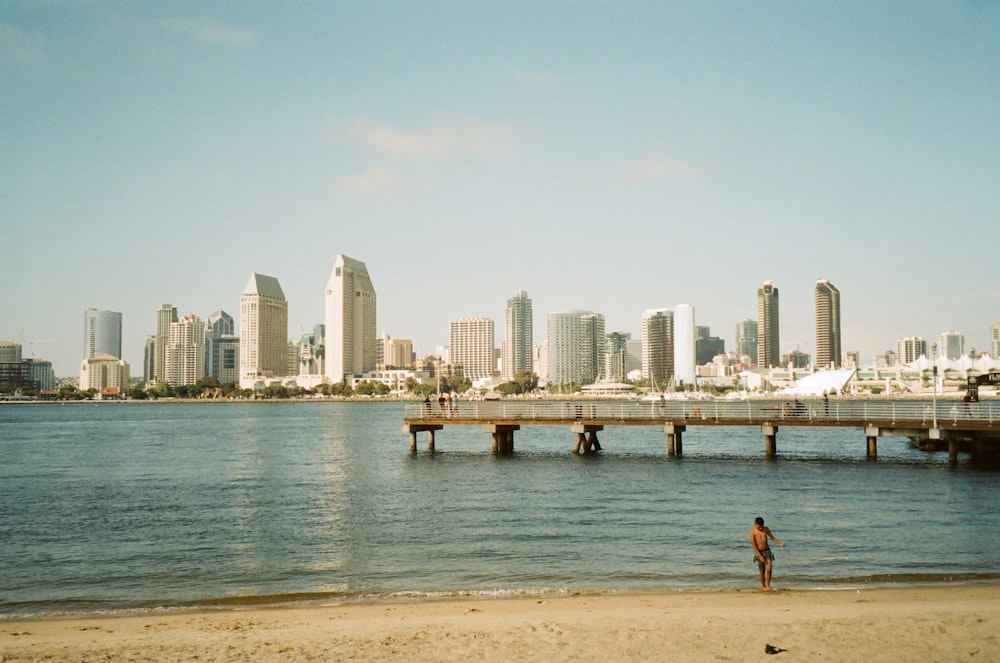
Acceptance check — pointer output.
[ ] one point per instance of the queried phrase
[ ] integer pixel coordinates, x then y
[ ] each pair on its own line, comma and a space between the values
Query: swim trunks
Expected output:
765, 554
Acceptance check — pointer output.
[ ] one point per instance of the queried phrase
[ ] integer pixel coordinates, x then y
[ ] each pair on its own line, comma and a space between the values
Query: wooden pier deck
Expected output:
946, 424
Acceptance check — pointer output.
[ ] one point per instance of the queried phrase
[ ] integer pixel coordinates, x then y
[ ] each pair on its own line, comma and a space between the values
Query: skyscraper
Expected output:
165, 316
829, 353
102, 333
995, 341
658, 347
515, 353
746, 338
910, 349
951, 345
263, 331
576, 347
350, 320
222, 348
767, 326
684, 344
185, 353
471, 346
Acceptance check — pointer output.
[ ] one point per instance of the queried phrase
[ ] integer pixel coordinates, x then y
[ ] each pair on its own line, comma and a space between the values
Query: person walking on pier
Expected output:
759, 536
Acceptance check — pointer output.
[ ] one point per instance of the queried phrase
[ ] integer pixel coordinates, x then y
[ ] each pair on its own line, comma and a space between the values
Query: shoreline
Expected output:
937, 622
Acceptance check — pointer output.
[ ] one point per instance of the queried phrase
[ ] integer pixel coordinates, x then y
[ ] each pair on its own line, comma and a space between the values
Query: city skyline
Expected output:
602, 157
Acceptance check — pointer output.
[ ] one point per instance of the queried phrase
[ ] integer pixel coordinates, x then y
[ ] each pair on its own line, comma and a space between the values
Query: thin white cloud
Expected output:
539, 78
18, 49
441, 141
376, 182
205, 30
658, 168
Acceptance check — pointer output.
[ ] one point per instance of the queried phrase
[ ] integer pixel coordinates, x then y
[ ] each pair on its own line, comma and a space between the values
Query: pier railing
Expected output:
885, 412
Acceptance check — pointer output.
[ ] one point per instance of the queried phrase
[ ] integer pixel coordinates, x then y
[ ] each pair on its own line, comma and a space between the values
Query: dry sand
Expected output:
902, 624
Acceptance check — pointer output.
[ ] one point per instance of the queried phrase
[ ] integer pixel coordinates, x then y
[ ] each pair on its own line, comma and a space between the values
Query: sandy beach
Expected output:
900, 624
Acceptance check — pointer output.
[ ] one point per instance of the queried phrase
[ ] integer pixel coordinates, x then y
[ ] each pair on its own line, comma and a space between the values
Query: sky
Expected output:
606, 156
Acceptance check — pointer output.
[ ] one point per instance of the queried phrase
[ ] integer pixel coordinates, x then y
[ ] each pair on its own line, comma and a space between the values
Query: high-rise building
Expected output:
185, 352
10, 352
397, 352
165, 316
149, 360
616, 357
350, 320
515, 354
104, 372
658, 347
471, 346
576, 347
707, 348
684, 345
746, 338
222, 348
829, 353
102, 333
910, 349
311, 359
768, 338
263, 331
951, 345
995, 341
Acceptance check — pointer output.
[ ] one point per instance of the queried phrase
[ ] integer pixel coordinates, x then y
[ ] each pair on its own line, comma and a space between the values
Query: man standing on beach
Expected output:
762, 551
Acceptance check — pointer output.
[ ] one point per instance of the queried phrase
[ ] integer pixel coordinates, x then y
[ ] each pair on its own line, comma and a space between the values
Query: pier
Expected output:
931, 424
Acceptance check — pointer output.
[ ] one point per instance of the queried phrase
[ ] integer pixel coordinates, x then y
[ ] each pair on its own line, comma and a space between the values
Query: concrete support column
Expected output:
413, 441
496, 442
592, 443
430, 440
675, 439
952, 451
502, 436
871, 439
770, 440
581, 439
586, 438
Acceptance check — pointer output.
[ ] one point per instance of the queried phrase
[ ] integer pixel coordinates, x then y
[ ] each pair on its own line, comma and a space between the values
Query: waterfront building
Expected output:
471, 347
995, 341
42, 373
104, 372
910, 349
576, 347
658, 347
350, 321
829, 353
165, 316
15, 372
951, 345
684, 345
515, 353
10, 352
616, 360
746, 338
263, 331
149, 359
102, 333
185, 352
222, 348
768, 336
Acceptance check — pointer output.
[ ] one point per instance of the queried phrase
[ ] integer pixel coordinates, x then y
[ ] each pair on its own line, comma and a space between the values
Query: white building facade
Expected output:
185, 352
684, 344
471, 346
515, 353
576, 343
350, 321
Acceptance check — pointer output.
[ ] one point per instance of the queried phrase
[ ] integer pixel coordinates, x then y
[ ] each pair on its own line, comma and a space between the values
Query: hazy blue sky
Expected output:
604, 156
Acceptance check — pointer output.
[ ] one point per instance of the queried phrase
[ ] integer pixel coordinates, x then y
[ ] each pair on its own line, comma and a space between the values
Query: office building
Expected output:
515, 354
707, 348
350, 321
951, 345
995, 341
165, 316
104, 372
746, 339
263, 331
910, 349
576, 348
684, 345
149, 360
311, 358
102, 333
396, 352
185, 351
471, 347
658, 347
222, 348
616, 357
829, 353
768, 338
10, 352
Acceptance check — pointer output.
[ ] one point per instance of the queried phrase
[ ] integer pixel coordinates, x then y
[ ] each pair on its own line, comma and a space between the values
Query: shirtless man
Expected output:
762, 551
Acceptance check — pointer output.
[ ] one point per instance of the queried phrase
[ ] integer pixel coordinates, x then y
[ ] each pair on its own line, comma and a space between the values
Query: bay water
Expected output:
138, 506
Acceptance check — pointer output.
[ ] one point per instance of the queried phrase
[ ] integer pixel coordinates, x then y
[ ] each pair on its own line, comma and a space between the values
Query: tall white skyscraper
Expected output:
995, 341
471, 346
576, 347
102, 333
951, 345
515, 353
684, 344
350, 321
263, 331
658, 347
910, 349
165, 316
829, 353
185, 353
